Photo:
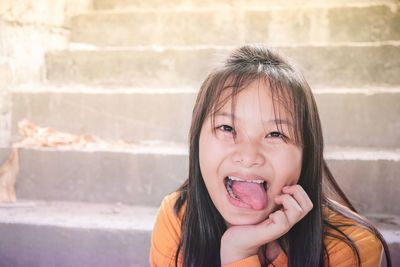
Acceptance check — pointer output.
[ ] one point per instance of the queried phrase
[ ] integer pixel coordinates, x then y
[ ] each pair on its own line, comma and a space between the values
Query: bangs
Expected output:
286, 104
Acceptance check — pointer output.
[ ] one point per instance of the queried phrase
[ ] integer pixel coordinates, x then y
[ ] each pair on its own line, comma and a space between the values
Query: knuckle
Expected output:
309, 206
297, 188
298, 211
283, 220
285, 224
278, 216
285, 198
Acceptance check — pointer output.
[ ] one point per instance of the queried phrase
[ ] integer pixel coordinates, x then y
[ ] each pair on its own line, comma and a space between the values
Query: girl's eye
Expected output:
226, 128
275, 135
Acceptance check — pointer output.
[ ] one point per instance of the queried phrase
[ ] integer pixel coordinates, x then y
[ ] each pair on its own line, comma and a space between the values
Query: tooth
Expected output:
242, 180
229, 188
232, 194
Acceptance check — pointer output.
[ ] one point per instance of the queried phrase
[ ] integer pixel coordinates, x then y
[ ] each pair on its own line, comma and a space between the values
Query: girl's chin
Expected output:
245, 220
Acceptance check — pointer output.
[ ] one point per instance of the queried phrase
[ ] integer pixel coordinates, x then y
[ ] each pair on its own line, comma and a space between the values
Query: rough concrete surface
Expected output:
48, 246
130, 117
5, 129
348, 66
38, 233
378, 23
348, 119
106, 217
47, 12
5, 102
237, 26
372, 185
145, 178
28, 29
24, 46
40, 11
103, 177
207, 4
323, 66
157, 45
360, 119
6, 78
143, 69
4, 154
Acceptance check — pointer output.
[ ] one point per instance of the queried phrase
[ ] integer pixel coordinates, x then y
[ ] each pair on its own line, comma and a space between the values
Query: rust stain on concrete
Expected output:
35, 136
8, 178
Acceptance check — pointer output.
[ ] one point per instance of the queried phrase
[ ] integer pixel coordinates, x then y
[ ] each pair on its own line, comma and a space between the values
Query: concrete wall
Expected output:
29, 29
5, 104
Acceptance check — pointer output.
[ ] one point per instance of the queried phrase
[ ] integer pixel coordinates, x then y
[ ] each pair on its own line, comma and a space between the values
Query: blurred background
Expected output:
97, 96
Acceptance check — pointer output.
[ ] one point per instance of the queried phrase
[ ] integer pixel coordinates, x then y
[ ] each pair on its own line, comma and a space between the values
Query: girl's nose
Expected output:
248, 155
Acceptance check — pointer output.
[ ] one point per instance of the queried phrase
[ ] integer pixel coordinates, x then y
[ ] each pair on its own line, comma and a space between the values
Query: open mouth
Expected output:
253, 193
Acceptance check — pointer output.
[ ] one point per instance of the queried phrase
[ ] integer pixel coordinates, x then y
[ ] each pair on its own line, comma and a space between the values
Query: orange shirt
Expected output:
167, 231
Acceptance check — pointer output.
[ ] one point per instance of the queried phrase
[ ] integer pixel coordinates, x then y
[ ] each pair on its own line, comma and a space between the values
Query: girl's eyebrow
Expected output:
225, 114
279, 121
273, 121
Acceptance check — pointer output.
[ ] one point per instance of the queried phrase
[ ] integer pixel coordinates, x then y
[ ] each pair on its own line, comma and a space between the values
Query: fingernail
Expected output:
285, 187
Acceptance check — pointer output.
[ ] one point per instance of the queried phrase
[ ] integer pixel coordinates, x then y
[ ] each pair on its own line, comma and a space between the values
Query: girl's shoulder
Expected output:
167, 213
168, 204
166, 233
341, 233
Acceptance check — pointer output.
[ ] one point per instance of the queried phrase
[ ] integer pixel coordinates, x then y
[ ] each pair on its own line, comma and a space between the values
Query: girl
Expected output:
257, 188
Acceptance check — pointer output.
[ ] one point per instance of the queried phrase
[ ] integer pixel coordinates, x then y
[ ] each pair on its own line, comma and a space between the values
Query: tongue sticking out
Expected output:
250, 193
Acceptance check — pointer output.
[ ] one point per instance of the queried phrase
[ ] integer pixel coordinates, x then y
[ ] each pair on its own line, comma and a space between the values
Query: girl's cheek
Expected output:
224, 138
287, 167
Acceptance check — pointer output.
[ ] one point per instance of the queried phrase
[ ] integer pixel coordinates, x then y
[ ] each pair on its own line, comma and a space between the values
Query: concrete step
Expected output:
138, 175
350, 117
233, 26
143, 176
44, 234
350, 65
212, 4
369, 177
131, 116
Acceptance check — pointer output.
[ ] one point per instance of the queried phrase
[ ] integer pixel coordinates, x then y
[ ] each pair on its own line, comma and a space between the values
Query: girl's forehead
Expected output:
230, 93
256, 97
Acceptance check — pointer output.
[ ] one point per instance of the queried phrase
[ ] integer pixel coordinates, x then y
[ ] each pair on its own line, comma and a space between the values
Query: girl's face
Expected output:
245, 173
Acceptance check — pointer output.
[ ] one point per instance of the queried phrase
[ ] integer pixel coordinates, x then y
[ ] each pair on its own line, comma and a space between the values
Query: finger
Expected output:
291, 208
274, 227
279, 218
300, 196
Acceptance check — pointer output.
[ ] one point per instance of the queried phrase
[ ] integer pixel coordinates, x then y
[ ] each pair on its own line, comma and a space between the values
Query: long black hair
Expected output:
203, 226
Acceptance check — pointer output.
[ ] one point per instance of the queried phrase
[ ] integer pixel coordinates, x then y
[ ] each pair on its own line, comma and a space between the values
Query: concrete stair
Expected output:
232, 26
165, 114
330, 65
143, 175
243, 4
75, 234
132, 73
68, 234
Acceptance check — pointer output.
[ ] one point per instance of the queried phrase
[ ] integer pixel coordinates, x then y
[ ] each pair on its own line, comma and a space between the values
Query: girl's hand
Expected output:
239, 242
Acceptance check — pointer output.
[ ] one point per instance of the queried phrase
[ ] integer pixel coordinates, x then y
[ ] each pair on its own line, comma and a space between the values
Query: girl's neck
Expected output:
272, 252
